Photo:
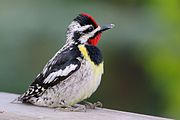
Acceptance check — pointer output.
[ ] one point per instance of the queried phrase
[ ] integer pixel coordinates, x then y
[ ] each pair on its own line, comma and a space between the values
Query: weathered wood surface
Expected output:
9, 111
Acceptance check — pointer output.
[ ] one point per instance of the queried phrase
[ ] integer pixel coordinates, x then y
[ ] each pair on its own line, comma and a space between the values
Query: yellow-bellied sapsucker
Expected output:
75, 71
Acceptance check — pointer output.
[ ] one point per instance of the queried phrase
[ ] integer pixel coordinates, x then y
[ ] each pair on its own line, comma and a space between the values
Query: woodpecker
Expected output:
74, 73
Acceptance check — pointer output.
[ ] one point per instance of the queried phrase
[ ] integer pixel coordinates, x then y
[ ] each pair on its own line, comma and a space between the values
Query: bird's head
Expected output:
85, 30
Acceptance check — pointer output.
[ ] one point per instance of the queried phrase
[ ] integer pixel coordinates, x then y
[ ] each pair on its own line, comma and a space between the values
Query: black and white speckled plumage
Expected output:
76, 85
74, 72
62, 60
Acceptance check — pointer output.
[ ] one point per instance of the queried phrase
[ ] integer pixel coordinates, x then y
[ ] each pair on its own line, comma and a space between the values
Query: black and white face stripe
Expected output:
81, 34
86, 36
81, 29
88, 30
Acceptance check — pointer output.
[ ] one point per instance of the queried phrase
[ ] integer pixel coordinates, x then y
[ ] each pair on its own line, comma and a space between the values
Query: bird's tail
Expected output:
17, 100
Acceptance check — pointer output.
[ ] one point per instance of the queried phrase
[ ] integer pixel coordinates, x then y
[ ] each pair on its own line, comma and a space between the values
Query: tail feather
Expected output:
17, 100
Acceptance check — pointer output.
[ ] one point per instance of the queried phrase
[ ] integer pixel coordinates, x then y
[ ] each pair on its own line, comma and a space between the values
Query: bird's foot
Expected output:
16, 101
75, 108
90, 105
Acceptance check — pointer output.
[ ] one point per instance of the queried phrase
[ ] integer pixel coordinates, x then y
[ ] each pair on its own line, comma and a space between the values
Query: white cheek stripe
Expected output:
97, 29
85, 38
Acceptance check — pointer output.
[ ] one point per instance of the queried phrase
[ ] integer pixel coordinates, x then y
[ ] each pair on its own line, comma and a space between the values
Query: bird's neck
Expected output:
91, 53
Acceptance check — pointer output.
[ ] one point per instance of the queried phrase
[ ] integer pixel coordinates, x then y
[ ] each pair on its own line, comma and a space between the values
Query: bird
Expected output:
74, 73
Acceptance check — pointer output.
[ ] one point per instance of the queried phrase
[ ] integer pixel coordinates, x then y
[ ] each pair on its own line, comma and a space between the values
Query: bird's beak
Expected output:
106, 27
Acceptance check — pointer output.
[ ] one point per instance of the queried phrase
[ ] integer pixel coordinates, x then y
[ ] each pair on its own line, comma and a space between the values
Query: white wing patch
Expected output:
51, 77
51, 61
45, 70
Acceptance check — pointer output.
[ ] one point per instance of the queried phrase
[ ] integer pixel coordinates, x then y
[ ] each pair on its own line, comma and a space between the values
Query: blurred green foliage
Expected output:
141, 54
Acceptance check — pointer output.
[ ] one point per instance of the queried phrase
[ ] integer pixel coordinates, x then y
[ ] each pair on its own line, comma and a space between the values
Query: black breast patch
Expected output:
95, 54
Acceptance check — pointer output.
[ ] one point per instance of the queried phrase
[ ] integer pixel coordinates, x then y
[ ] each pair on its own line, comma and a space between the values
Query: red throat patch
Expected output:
94, 41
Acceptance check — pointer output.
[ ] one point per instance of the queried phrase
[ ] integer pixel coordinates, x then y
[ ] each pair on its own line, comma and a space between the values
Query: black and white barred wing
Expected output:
60, 67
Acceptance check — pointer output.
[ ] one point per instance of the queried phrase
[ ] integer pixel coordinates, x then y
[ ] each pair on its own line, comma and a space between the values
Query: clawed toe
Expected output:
98, 104
79, 107
89, 105
76, 108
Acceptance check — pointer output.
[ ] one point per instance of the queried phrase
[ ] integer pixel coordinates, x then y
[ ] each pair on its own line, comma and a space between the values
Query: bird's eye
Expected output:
90, 28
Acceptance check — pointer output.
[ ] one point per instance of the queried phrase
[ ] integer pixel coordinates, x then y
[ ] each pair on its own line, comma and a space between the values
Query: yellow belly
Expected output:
90, 85
94, 77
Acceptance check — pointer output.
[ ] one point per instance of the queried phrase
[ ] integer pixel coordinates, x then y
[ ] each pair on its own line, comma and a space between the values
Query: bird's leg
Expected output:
68, 108
90, 105
79, 108
75, 108
64, 108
